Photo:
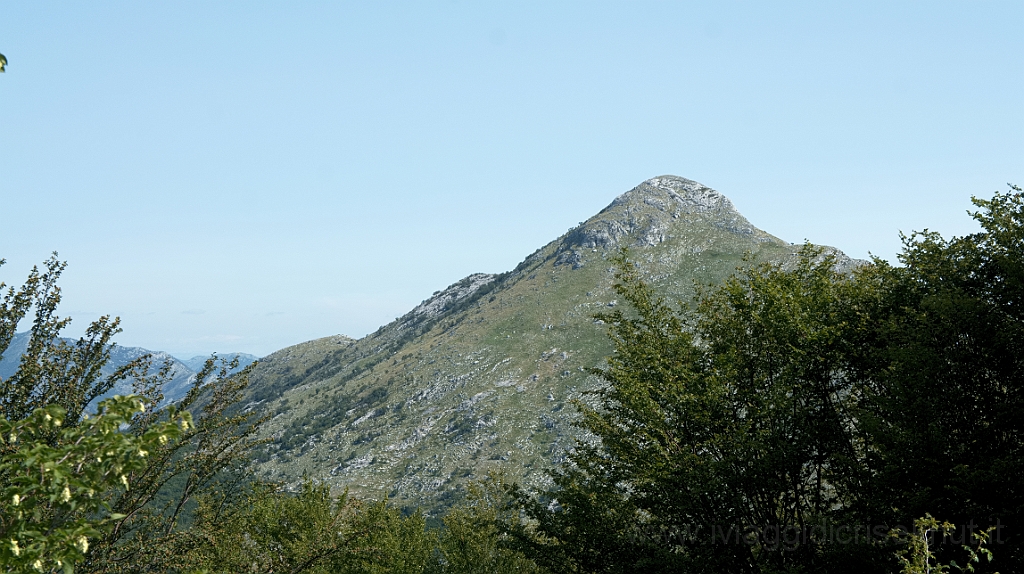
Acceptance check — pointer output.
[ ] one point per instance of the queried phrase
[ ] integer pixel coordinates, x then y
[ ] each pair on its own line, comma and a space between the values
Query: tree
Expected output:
944, 372
917, 555
57, 479
795, 415
145, 516
724, 433
140, 487
52, 370
208, 459
306, 531
472, 541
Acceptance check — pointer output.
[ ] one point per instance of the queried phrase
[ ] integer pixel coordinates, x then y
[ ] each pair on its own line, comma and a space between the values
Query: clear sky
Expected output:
245, 176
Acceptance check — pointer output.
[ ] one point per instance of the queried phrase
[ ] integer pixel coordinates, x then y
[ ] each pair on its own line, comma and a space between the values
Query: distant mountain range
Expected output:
481, 375
182, 371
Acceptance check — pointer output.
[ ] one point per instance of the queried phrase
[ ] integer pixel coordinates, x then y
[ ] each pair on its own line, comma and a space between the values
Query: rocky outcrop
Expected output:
445, 300
649, 214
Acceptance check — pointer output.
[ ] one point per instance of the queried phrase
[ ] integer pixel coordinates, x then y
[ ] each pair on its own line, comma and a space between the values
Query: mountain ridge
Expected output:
480, 375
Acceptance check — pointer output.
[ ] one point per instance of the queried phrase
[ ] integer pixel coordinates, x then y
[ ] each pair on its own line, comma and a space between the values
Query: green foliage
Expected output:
56, 479
211, 456
53, 371
270, 530
795, 402
918, 557
944, 378
733, 423
472, 541
141, 509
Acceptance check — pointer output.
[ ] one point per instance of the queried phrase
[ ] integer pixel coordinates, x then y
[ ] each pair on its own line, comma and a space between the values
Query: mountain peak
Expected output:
658, 209
684, 195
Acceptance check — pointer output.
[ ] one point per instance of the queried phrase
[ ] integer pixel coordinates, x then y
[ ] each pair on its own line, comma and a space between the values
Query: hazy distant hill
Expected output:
196, 363
182, 372
480, 375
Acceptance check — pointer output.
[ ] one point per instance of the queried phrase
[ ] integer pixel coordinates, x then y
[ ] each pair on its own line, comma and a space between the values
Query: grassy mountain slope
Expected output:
480, 376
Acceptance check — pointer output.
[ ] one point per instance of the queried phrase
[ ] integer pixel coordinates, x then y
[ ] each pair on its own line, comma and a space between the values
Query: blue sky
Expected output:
245, 176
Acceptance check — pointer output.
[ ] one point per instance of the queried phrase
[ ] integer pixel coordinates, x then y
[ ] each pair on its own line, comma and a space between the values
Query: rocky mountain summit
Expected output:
482, 375
646, 215
647, 211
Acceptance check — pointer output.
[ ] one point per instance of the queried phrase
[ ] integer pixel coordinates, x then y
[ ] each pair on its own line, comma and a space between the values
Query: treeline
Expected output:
794, 419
